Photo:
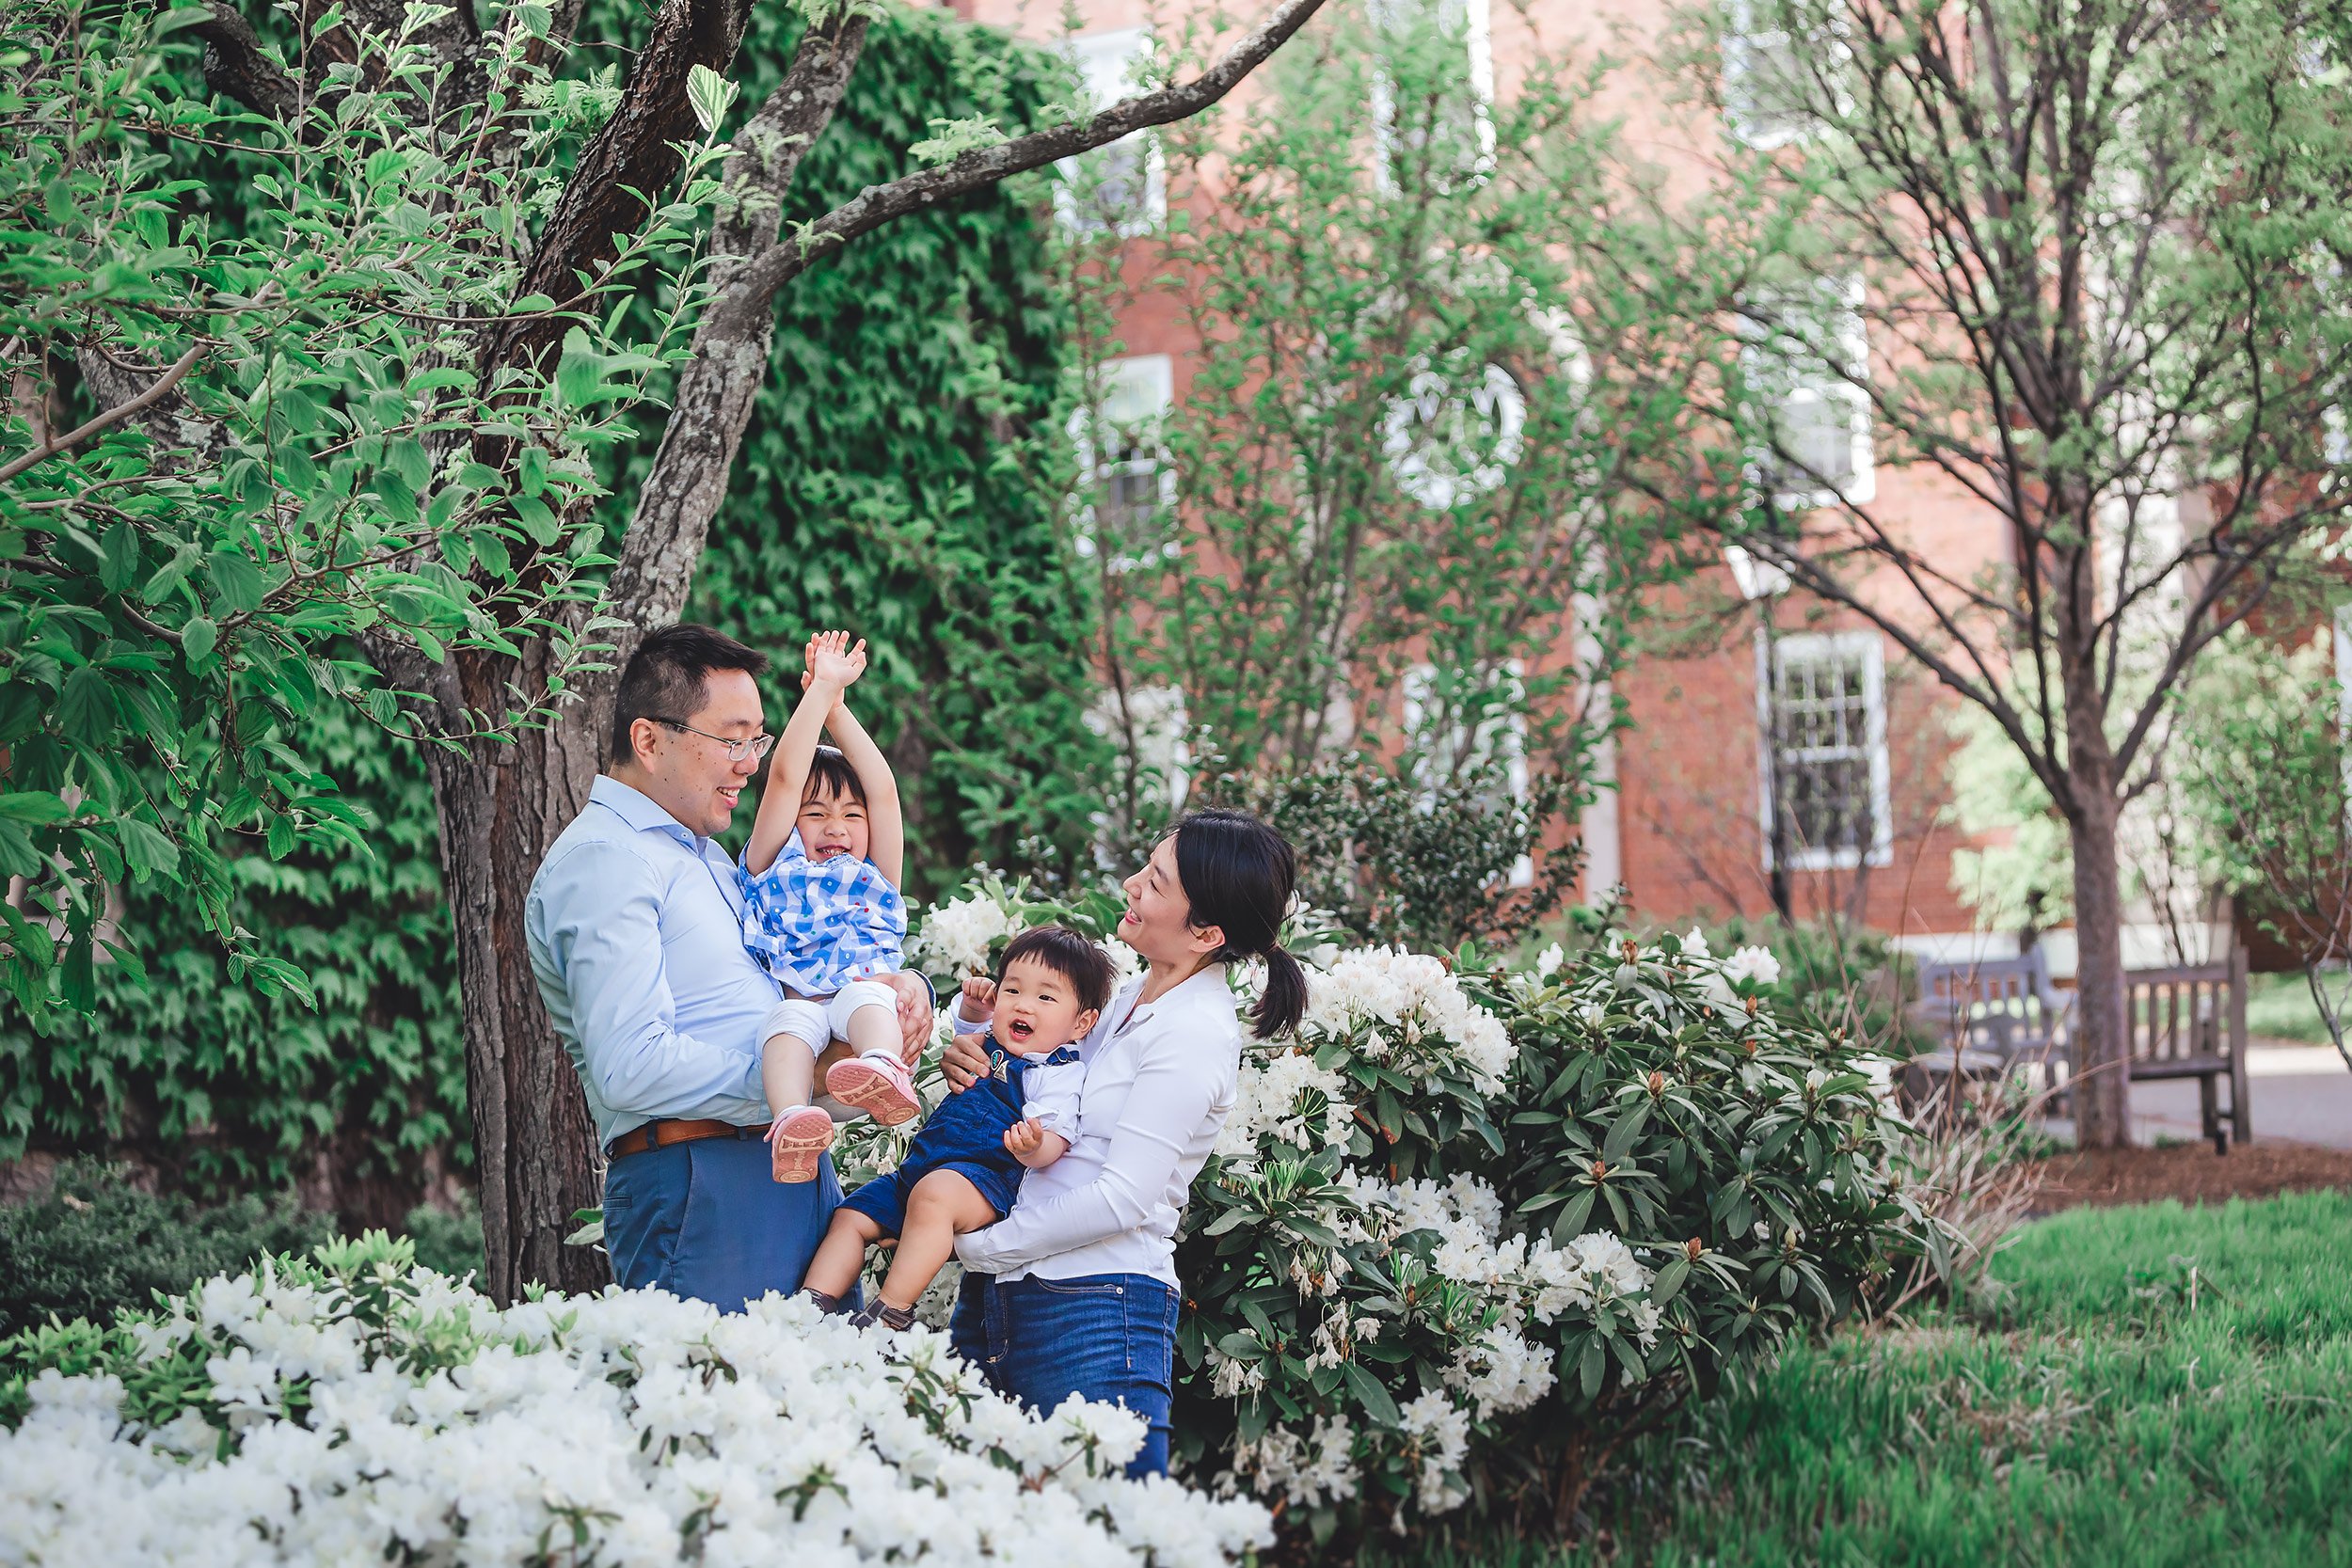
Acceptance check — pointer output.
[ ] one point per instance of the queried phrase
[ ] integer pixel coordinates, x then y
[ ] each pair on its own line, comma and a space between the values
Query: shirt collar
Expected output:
636, 808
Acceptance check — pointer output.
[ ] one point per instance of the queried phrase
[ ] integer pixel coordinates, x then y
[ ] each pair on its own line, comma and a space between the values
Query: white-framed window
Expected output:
2344, 678
1821, 720
1806, 360
1127, 511
1447, 443
1768, 86
1444, 744
1122, 188
1149, 726
1403, 27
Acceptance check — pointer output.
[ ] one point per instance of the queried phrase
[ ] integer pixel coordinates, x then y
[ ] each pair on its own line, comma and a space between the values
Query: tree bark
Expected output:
2101, 1086
534, 1150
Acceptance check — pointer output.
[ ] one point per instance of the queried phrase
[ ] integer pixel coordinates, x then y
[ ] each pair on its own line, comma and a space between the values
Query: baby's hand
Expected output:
1024, 1137
833, 660
980, 998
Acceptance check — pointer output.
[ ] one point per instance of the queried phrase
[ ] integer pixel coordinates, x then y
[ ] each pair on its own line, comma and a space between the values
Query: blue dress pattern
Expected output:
817, 926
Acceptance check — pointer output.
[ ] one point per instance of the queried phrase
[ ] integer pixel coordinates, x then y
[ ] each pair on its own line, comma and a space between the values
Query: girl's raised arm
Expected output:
885, 823
796, 749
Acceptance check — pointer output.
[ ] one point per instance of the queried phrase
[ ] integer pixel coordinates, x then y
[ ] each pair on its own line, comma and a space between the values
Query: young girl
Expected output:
821, 910
964, 1168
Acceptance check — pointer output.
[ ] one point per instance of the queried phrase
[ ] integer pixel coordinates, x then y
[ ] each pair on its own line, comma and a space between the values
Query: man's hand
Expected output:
965, 1061
915, 1014
979, 1000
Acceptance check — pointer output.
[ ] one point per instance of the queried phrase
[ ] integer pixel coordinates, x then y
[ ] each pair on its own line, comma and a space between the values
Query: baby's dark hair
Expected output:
1087, 967
831, 777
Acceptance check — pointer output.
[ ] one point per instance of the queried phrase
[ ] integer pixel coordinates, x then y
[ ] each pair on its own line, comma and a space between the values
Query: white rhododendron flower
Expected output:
1752, 963
1548, 962
1695, 945
1408, 1011
955, 937
1285, 1099
630, 1427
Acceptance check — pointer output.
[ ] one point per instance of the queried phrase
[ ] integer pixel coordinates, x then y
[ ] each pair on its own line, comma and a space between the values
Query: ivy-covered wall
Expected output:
877, 489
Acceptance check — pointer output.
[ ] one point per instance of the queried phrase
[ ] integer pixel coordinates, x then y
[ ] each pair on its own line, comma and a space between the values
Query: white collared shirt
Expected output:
1160, 1080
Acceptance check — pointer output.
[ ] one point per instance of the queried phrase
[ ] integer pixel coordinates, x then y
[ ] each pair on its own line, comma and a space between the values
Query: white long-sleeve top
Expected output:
1161, 1078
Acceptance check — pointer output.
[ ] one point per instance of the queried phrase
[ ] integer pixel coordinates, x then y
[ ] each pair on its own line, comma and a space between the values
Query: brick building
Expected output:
1693, 829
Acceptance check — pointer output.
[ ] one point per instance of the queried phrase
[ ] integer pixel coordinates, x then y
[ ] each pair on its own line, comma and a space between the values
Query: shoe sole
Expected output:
797, 1155
868, 1089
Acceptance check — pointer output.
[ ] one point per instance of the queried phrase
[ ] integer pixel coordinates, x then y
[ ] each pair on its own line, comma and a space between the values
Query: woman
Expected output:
1076, 1291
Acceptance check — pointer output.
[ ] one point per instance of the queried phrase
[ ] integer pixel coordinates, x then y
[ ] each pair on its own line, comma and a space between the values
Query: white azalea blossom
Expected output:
1407, 1010
658, 1429
1752, 963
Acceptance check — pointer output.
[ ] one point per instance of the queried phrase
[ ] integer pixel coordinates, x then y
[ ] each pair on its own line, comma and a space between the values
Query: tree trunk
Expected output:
534, 1150
2102, 1087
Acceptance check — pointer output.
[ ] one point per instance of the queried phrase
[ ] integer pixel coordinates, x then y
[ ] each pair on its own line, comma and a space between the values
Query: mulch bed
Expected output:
2192, 1173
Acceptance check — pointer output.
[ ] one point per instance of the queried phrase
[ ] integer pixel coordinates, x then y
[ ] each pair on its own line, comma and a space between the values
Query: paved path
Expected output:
2299, 1093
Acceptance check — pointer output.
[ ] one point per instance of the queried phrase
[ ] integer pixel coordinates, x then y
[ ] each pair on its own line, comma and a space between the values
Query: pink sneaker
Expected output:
879, 1086
797, 1141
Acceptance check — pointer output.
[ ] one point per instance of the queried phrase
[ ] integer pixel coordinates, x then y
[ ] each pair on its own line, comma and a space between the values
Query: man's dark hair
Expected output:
669, 677
1087, 967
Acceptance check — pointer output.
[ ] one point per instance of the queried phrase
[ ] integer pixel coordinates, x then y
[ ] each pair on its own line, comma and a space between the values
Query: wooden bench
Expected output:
1999, 1014
1993, 1016
2189, 1022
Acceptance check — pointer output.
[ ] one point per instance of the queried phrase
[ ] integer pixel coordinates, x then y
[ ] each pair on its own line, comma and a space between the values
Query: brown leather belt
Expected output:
660, 1135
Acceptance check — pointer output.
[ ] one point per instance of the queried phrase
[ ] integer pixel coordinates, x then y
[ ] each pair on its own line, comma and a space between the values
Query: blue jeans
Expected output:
1109, 1336
709, 1220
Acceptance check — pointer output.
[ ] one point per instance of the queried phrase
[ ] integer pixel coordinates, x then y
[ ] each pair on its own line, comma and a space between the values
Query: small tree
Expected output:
461, 147
1388, 551
2079, 262
2269, 770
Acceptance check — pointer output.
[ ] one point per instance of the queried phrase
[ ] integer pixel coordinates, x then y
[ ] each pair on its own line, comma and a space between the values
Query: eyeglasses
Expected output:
754, 747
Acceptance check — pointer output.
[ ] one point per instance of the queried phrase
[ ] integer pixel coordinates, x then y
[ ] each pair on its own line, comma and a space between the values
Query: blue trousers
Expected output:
1109, 1336
709, 1220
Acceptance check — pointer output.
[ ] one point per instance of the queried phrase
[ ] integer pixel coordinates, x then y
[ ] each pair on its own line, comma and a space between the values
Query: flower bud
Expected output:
1657, 1084
1692, 1247
1600, 1168
1751, 1004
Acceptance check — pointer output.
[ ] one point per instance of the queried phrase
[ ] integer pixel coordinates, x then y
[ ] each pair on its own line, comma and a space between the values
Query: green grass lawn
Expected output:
2158, 1386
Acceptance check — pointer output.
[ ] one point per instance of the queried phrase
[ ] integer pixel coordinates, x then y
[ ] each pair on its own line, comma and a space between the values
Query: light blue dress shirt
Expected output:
636, 934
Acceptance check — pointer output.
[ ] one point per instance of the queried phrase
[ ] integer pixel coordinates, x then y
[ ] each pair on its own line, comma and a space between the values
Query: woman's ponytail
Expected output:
1238, 874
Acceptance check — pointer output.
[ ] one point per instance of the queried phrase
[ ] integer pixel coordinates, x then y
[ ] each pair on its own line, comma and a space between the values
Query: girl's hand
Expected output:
833, 661
979, 1000
1024, 1137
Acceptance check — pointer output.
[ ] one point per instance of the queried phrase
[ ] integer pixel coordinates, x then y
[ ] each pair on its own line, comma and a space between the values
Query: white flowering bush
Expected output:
355, 1408
1464, 1236
1469, 1230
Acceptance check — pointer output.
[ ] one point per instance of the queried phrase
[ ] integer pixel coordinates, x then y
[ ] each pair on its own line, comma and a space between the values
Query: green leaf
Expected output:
1377, 1401
709, 94
237, 583
199, 637
85, 710
146, 849
121, 566
34, 806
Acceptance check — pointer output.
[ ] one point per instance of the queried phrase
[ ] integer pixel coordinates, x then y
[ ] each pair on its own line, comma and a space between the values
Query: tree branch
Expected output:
235, 65
634, 155
112, 416
983, 166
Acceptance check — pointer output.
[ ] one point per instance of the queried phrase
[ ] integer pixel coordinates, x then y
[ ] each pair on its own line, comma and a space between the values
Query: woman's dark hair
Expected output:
830, 776
1087, 967
668, 678
1237, 874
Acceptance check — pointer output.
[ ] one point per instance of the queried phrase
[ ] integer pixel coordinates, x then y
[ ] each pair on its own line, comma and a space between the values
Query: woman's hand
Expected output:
915, 1014
965, 1061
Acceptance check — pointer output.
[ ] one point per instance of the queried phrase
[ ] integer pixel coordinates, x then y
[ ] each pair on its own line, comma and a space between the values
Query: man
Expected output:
635, 926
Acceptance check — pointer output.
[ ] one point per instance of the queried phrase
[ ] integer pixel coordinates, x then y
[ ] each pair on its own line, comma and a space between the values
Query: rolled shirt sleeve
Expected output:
598, 909
1049, 1096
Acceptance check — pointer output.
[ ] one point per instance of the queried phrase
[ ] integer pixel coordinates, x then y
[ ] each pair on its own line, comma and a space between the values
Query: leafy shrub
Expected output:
447, 1241
1838, 978
358, 1408
1468, 1233
97, 1243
